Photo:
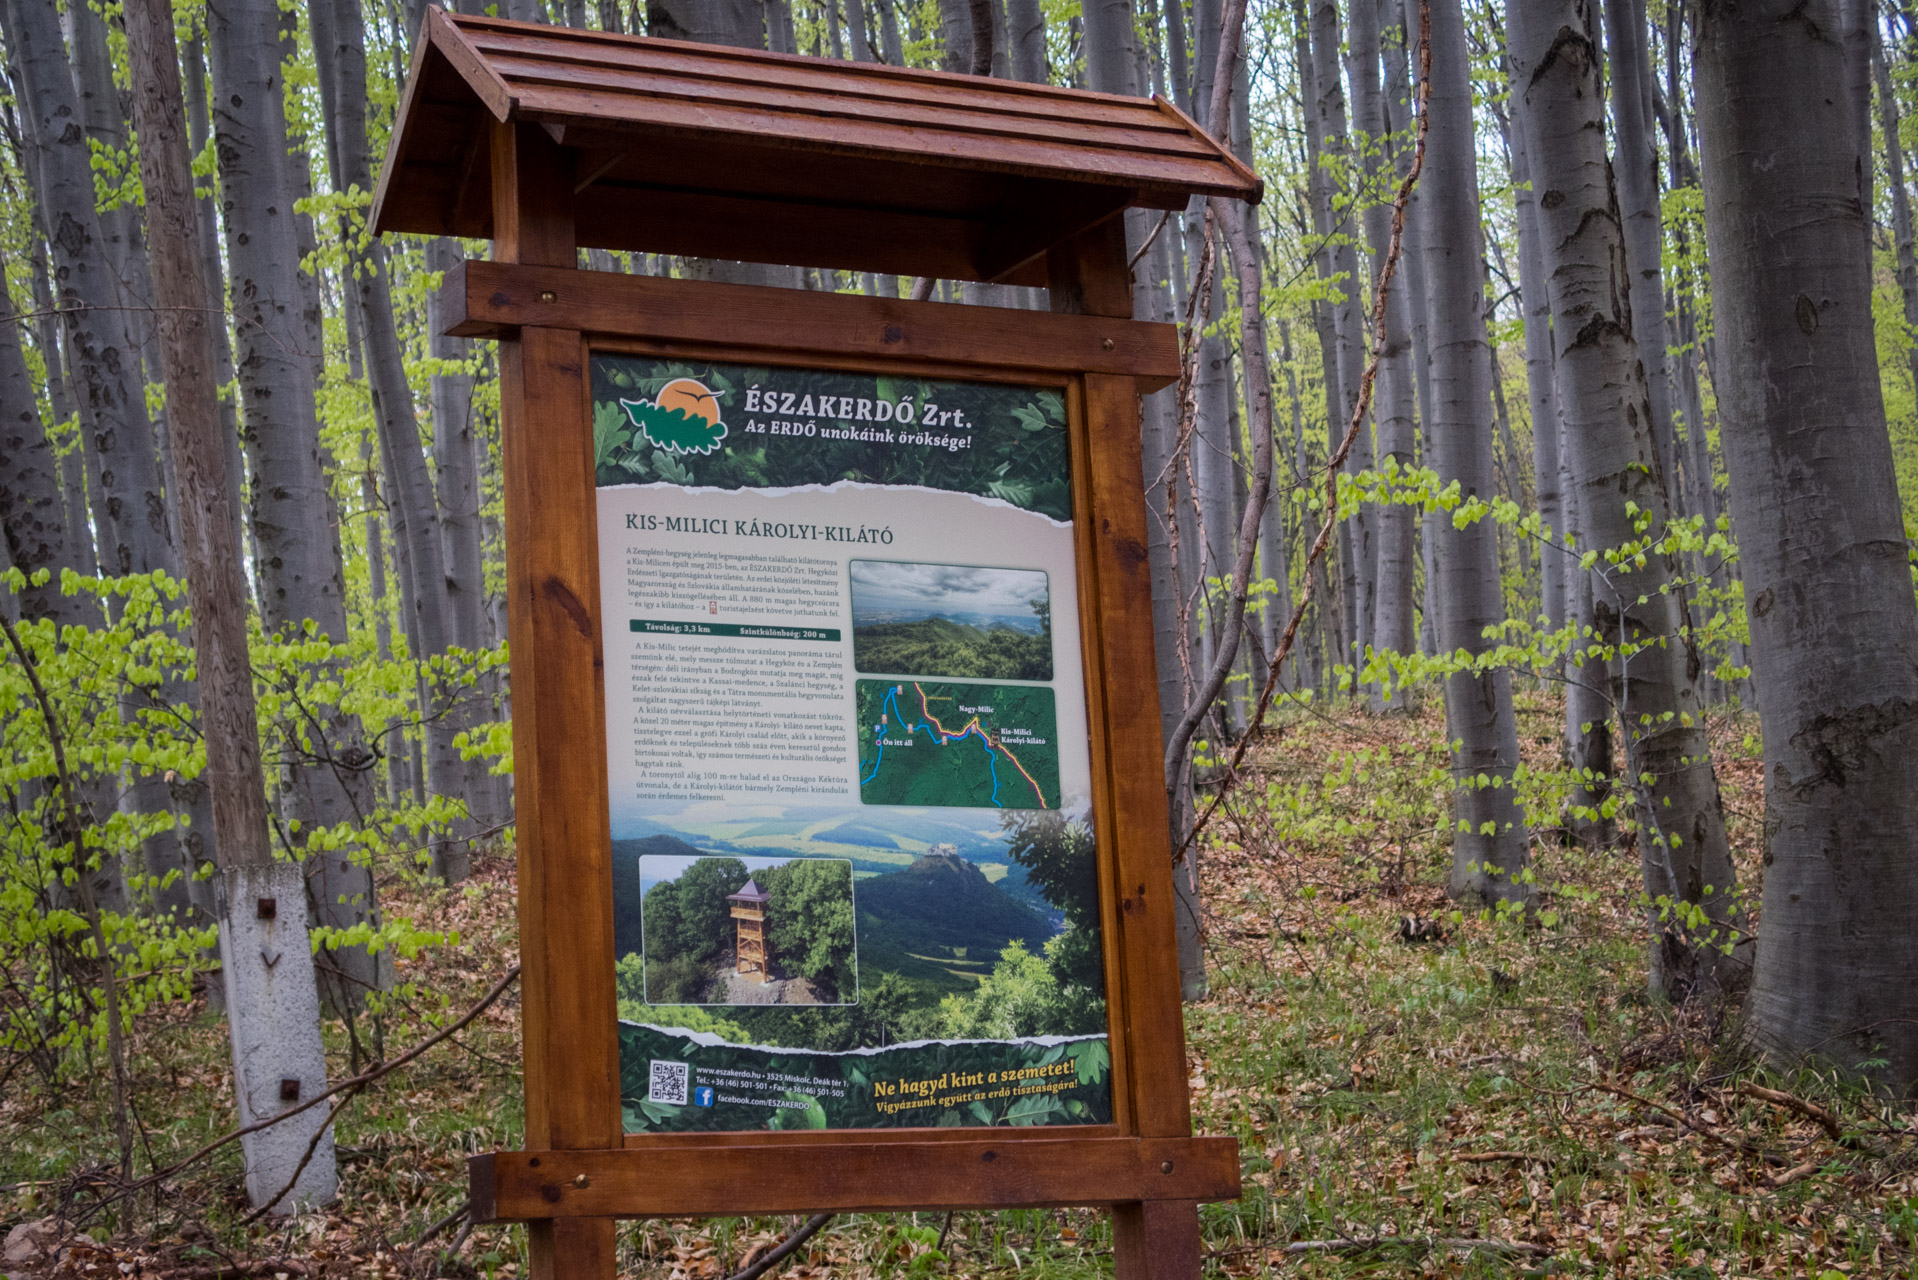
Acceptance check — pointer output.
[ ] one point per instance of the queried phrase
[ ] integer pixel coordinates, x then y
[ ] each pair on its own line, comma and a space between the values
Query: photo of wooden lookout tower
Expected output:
749, 929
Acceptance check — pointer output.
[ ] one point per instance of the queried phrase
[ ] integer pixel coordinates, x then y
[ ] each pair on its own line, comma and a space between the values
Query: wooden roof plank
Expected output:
565, 41
486, 82
777, 129
1224, 153
831, 79
1168, 137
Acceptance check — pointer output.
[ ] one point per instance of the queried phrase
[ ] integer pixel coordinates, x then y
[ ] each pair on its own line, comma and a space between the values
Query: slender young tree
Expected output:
1339, 612
1834, 625
1359, 569
1396, 397
1603, 402
1489, 842
1637, 179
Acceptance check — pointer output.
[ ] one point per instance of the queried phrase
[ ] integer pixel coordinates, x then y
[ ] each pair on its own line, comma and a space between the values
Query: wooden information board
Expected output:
835, 710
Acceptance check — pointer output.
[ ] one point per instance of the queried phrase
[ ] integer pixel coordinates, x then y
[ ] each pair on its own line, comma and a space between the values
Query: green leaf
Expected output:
674, 430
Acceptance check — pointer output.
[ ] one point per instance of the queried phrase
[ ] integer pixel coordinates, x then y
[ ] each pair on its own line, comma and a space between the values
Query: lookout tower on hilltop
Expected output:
749, 929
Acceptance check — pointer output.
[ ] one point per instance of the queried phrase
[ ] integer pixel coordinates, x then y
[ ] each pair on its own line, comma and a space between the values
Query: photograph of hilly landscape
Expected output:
975, 947
951, 620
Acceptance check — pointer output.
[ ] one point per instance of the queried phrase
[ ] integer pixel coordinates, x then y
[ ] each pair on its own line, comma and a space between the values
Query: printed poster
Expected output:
853, 861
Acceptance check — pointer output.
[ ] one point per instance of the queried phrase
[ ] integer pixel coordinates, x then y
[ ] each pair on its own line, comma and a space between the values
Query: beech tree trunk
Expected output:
272, 1007
1489, 843
1396, 395
457, 445
1637, 176
1025, 39
413, 503
1603, 402
1339, 610
325, 777
1541, 395
33, 524
1359, 569
1834, 626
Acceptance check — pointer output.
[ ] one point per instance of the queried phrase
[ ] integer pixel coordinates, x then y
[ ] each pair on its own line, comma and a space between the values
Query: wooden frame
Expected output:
581, 1170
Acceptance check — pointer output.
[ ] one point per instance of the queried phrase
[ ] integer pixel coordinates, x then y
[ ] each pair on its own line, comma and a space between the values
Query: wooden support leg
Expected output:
1157, 1240
572, 1248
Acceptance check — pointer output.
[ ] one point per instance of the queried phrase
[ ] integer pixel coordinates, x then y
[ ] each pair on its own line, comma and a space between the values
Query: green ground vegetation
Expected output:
1494, 1100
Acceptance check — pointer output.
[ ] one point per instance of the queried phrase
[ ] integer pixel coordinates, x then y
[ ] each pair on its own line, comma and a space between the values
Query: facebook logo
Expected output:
702, 1096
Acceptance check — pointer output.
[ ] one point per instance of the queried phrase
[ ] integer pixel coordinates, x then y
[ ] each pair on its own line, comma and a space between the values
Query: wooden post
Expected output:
1151, 1240
569, 1012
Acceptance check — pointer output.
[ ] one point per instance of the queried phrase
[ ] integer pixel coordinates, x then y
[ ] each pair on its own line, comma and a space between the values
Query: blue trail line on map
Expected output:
938, 738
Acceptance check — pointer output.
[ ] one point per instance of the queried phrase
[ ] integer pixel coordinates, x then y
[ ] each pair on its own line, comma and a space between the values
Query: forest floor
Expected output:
1415, 1093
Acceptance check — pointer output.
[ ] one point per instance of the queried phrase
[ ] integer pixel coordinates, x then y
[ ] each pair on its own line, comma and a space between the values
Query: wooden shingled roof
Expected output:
716, 152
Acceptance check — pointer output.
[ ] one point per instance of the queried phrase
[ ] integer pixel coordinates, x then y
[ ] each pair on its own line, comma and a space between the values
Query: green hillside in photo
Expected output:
942, 647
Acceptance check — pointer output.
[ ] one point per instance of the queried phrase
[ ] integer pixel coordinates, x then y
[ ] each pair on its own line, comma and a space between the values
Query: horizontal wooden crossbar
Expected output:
490, 299
854, 1176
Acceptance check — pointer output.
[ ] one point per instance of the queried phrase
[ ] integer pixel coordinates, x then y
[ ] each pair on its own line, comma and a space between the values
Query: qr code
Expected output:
669, 1083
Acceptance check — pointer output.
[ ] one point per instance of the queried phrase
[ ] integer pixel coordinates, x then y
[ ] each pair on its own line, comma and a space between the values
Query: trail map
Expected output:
957, 745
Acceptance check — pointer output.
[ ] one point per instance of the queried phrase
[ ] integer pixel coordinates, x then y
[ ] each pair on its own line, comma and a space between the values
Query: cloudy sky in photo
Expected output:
882, 588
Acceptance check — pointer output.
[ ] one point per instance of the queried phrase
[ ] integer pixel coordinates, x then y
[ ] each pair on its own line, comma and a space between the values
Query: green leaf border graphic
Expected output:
674, 430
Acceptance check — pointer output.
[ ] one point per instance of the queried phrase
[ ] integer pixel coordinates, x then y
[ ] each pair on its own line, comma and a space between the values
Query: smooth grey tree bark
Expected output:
457, 444
1834, 625
1339, 609
324, 776
105, 119
1395, 402
1603, 402
413, 506
1210, 444
1025, 40
1489, 842
1336, 169
1637, 176
47, 337
860, 35
33, 522
780, 37
1856, 19
1590, 751
1111, 45
1399, 23
1541, 395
